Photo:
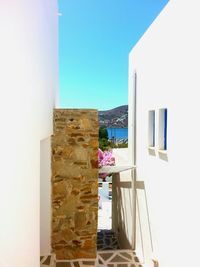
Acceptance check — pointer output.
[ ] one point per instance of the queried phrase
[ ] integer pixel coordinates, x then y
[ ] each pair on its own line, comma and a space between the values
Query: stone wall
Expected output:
74, 183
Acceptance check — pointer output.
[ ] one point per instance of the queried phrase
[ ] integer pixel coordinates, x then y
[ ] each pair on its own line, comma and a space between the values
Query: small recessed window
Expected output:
162, 131
152, 128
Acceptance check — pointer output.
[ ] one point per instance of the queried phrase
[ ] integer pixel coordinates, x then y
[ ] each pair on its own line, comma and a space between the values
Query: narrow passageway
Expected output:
109, 253
106, 237
107, 240
105, 205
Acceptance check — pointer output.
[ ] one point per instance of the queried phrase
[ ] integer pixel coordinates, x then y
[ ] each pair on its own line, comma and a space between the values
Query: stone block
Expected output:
74, 183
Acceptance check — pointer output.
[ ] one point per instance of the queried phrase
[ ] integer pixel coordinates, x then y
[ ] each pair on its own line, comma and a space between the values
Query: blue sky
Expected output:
95, 38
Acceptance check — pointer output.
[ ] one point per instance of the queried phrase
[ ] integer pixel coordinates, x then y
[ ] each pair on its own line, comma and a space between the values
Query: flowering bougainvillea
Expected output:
105, 158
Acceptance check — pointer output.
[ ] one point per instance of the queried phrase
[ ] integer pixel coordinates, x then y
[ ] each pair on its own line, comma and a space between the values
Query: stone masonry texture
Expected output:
74, 183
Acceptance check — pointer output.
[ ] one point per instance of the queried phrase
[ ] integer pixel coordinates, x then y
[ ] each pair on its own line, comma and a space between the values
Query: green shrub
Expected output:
104, 144
103, 133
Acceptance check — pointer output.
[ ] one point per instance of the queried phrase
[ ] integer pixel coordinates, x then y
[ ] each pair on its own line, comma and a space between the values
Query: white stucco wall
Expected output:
167, 62
28, 84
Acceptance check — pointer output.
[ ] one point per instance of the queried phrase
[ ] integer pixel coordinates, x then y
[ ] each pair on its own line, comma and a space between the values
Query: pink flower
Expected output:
105, 158
100, 155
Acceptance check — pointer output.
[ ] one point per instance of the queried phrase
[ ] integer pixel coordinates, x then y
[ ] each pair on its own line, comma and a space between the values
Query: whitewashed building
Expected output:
28, 93
164, 136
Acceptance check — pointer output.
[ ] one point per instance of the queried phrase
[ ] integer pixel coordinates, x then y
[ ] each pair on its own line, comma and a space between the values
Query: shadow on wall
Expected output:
45, 196
131, 219
121, 196
161, 154
143, 226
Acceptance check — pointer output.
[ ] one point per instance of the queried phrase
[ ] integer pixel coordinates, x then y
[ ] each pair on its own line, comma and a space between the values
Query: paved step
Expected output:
48, 260
118, 258
111, 258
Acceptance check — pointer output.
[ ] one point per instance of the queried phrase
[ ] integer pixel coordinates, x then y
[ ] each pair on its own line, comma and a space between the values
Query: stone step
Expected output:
48, 260
111, 258
118, 258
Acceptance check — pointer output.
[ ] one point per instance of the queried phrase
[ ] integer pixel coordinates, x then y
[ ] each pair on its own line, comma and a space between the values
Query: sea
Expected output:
118, 133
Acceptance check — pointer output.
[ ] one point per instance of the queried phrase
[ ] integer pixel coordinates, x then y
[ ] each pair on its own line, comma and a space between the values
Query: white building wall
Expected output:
28, 84
167, 62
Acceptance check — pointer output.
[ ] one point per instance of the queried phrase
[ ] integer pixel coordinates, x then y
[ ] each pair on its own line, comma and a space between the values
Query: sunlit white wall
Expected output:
28, 84
167, 62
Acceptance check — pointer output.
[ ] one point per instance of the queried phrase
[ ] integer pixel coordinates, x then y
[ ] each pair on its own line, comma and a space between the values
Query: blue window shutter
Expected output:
165, 129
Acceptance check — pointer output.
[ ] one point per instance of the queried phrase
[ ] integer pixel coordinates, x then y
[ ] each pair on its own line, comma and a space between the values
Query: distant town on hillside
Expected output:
114, 118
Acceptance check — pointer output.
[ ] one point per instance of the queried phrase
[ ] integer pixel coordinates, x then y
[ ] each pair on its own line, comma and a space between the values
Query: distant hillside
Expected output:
117, 117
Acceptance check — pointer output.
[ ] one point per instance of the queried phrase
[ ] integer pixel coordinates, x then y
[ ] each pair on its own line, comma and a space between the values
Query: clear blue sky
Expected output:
95, 38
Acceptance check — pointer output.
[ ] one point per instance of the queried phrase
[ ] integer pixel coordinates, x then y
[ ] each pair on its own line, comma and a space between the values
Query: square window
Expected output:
151, 141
